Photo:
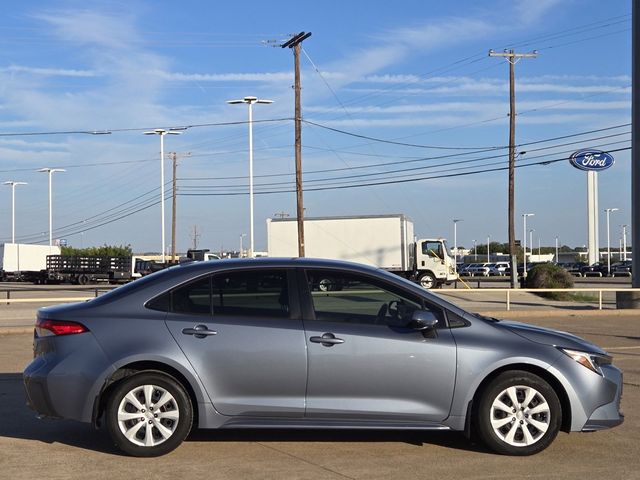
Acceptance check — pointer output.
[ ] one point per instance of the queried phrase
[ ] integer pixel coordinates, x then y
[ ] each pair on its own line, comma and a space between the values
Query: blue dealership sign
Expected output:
590, 159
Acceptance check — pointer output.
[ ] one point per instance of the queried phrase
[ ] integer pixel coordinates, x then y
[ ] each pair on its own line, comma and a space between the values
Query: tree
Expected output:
103, 251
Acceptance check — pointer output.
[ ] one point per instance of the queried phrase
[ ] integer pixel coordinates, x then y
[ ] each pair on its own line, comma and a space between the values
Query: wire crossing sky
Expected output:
403, 112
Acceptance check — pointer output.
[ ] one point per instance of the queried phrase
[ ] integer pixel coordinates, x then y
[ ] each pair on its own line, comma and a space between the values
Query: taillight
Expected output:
48, 328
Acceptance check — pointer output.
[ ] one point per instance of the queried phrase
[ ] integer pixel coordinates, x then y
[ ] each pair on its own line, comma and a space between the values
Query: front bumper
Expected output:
609, 414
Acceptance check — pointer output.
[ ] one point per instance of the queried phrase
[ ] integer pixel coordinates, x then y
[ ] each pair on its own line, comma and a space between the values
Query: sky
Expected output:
403, 111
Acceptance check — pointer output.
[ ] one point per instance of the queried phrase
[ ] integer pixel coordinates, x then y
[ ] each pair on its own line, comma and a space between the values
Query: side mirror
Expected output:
423, 320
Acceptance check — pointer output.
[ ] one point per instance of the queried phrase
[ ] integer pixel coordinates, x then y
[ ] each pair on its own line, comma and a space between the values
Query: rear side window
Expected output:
256, 293
194, 298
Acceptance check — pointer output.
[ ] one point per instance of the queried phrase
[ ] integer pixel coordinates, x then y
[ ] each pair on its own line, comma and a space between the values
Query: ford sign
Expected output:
589, 159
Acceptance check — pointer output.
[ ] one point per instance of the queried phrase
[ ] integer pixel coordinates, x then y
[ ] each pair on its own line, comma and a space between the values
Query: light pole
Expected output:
488, 242
475, 251
161, 133
241, 249
531, 230
13, 184
538, 247
455, 243
250, 101
609, 210
624, 242
524, 241
51, 171
556, 249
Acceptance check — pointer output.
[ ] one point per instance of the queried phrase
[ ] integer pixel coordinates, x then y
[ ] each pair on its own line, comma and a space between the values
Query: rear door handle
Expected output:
199, 331
327, 340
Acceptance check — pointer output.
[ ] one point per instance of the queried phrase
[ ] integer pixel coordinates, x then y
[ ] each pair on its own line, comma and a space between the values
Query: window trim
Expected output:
295, 310
306, 296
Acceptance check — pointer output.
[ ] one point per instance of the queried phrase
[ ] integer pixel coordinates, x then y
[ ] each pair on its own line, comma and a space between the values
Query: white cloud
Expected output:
48, 72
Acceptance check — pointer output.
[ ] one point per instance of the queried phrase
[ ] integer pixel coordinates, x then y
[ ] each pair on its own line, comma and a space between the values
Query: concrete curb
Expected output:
15, 330
559, 313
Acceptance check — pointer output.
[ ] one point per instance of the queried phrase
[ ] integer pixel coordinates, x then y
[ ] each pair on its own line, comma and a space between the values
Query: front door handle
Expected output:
199, 331
327, 340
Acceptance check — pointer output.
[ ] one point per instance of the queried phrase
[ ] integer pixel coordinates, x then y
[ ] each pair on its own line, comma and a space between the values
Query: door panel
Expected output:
242, 333
381, 369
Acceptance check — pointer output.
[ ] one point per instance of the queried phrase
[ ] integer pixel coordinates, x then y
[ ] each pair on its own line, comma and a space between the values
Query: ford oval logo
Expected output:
590, 159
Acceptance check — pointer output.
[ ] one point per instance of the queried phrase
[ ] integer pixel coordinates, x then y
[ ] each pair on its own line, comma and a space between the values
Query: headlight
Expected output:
592, 361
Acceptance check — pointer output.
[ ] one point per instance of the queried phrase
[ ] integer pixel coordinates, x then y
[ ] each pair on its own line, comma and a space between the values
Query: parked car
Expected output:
594, 270
479, 270
251, 343
574, 268
499, 269
621, 269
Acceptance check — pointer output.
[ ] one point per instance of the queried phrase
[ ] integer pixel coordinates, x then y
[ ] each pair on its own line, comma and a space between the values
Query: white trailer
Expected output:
20, 261
385, 241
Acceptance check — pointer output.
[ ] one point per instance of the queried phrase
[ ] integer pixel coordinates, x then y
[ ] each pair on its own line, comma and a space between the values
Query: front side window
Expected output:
353, 298
255, 293
433, 249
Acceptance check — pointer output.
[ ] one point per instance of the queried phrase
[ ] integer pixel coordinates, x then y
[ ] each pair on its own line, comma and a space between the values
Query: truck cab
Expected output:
434, 263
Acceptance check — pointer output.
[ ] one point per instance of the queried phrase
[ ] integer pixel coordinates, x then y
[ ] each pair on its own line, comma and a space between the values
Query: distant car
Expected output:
479, 269
251, 343
621, 269
499, 269
574, 268
594, 270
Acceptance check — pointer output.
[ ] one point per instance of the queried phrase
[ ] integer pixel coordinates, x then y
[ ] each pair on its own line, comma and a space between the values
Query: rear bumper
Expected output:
64, 378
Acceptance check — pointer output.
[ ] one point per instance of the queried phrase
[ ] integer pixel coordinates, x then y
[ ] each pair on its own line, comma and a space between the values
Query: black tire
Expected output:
427, 280
520, 434
160, 444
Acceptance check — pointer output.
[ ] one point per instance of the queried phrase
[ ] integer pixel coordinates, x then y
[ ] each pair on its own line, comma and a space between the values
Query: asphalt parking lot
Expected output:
32, 448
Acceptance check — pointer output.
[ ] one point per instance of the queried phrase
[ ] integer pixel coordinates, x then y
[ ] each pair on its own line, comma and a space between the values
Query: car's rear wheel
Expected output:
149, 414
519, 414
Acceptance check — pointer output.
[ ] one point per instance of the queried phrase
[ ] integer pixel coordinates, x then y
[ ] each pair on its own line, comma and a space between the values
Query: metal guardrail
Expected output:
8, 300
507, 291
510, 291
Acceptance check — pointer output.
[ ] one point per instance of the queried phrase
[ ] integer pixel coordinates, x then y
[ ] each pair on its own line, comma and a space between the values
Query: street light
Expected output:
488, 241
162, 132
475, 251
51, 171
531, 239
455, 243
13, 207
250, 101
556, 249
609, 210
241, 249
624, 242
524, 241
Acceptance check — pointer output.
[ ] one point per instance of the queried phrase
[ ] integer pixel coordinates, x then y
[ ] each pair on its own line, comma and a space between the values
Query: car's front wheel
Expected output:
518, 414
149, 414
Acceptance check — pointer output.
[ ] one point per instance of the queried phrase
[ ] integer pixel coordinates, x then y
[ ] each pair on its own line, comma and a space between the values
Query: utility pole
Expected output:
174, 158
513, 58
294, 43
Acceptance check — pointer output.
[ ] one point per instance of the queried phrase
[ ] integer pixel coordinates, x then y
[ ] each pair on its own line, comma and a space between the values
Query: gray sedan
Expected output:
259, 343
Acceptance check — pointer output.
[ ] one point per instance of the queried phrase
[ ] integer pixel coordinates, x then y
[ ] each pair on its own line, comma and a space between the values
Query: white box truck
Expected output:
24, 262
384, 241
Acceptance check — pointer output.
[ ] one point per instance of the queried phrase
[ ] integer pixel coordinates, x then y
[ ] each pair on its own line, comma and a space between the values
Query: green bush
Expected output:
103, 251
549, 275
